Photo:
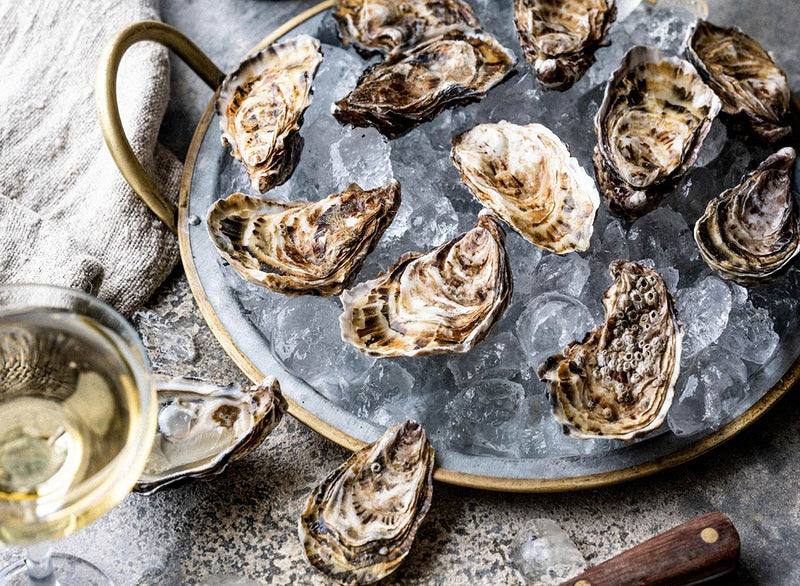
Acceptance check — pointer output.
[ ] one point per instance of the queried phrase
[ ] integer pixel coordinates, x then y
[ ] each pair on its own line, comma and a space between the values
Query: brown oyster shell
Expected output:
620, 381
358, 525
302, 248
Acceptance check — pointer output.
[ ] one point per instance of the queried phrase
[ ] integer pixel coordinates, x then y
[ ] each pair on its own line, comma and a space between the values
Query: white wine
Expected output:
69, 406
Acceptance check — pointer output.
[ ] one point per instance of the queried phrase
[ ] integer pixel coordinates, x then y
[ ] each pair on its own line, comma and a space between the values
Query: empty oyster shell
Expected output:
261, 107
752, 87
526, 176
619, 382
358, 525
203, 427
302, 248
559, 37
655, 114
752, 231
383, 25
451, 66
444, 301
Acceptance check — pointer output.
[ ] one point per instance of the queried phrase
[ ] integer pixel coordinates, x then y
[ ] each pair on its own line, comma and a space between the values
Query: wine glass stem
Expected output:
40, 566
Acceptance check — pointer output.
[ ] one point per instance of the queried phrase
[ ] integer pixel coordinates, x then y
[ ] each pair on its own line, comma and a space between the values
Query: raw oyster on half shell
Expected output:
620, 381
261, 107
203, 427
752, 87
525, 175
752, 231
443, 301
655, 114
299, 247
358, 525
383, 25
452, 66
559, 37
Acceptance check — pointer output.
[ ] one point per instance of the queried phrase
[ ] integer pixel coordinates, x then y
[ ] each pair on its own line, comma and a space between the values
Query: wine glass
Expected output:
77, 421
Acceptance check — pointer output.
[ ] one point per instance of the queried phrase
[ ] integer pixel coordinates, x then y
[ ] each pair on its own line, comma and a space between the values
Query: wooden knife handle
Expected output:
699, 550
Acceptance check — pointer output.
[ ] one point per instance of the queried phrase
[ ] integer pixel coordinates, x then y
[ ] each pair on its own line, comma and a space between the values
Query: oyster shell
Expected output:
620, 381
752, 231
383, 25
655, 114
451, 66
302, 248
443, 301
261, 106
526, 176
359, 524
559, 37
203, 427
752, 87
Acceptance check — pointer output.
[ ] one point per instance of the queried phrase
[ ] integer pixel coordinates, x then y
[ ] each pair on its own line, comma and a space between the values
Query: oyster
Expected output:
655, 114
444, 301
752, 231
383, 25
559, 37
619, 382
358, 525
261, 107
302, 248
452, 66
202, 427
526, 176
752, 87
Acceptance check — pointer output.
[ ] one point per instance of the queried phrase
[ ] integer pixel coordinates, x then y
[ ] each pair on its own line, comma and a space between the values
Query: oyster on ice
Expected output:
752, 87
299, 247
383, 25
655, 114
559, 37
620, 381
451, 66
752, 231
525, 175
443, 301
358, 525
261, 107
203, 427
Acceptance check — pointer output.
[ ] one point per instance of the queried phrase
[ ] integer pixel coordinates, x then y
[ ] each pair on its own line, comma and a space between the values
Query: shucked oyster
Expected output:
526, 176
445, 301
358, 525
752, 87
302, 248
453, 66
559, 37
383, 25
619, 382
261, 107
655, 114
752, 231
202, 427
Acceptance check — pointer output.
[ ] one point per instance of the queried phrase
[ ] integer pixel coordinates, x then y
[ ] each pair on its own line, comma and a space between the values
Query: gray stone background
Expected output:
244, 523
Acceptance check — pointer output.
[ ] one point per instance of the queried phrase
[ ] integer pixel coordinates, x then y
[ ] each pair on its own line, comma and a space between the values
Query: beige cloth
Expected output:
67, 217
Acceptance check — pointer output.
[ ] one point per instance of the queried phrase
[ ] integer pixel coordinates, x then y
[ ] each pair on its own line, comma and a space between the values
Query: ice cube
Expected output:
647, 239
712, 144
163, 340
750, 334
499, 356
387, 396
544, 554
361, 156
704, 311
561, 274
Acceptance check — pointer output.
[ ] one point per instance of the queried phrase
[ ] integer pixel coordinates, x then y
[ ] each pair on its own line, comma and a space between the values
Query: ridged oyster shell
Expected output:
261, 106
443, 301
359, 524
559, 37
203, 427
752, 231
299, 247
620, 381
383, 25
525, 175
655, 114
451, 66
752, 87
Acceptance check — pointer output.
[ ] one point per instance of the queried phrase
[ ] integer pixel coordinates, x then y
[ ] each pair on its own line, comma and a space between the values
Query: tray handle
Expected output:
108, 109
